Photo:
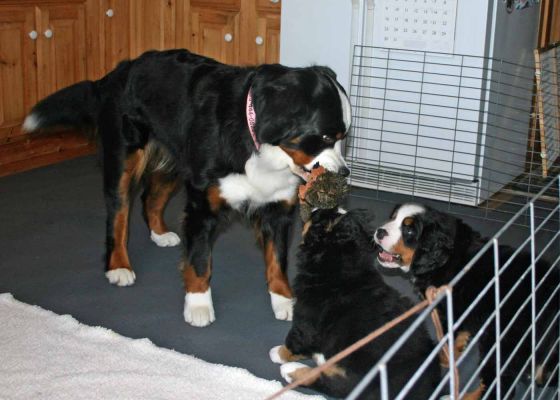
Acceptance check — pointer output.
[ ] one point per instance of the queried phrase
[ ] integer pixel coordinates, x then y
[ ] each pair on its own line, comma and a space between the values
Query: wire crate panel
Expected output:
448, 127
536, 322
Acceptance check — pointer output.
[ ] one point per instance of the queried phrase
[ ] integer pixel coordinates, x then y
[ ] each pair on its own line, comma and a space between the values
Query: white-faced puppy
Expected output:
235, 137
433, 247
341, 298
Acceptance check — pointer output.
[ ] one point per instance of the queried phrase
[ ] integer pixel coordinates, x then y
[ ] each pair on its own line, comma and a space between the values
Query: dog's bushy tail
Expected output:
74, 106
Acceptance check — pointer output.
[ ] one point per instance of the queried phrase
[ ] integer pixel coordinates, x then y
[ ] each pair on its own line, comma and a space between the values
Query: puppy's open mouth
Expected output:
385, 256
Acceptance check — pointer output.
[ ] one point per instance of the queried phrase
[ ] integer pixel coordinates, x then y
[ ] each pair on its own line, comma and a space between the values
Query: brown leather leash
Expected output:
431, 294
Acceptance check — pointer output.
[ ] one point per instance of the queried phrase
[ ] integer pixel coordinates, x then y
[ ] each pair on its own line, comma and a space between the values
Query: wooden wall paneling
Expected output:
116, 32
549, 27
94, 39
182, 24
154, 25
18, 76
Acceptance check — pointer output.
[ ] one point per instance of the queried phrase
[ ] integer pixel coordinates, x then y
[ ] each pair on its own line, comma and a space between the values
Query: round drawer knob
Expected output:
259, 40
228, 37
33, 35
109, 12
48, 33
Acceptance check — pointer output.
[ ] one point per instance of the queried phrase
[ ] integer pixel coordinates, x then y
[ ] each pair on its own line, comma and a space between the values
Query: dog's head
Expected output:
417, 238
338, 231
305, 112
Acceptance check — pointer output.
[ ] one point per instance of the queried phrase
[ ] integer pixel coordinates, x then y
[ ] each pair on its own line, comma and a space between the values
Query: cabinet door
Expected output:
117, 32
154, 25
215, 34
268, 38
18, 78
61, 47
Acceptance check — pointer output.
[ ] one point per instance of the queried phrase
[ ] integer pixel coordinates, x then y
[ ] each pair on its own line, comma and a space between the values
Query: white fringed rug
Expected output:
48, 356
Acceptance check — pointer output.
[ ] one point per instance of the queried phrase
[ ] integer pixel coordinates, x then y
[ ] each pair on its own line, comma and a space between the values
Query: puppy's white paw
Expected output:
168, 239
283, 307
276, 356
287, 369
121, 276
199, 310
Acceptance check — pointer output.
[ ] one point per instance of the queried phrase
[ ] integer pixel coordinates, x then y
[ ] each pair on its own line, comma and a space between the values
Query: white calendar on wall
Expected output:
427, 25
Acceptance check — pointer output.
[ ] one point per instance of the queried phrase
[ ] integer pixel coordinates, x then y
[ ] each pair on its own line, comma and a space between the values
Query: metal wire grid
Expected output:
542, 244
454, 128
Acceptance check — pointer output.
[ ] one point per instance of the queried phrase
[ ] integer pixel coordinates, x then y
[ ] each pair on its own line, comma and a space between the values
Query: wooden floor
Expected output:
43, 149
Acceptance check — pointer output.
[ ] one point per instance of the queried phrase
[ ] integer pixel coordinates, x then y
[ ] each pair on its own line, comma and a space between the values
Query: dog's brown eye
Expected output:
328, 139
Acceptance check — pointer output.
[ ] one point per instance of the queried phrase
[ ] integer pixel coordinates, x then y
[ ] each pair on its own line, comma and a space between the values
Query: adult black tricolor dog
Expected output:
433, 247
236, 137
341, 298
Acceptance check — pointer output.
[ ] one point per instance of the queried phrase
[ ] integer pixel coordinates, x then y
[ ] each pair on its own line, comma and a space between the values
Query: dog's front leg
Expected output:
199, 231
274, 229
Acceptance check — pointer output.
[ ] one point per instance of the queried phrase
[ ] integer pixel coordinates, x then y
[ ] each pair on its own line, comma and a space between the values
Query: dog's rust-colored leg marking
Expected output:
133, 169
193, 282
159, 190
275, 277
286, 355
300, 373
215, 200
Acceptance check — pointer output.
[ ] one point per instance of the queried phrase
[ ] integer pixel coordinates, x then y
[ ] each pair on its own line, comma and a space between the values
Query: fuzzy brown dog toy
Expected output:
324, 189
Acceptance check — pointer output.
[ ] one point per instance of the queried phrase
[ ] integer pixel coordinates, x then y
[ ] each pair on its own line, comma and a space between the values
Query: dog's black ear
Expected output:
394, 211
435, 242
325, 71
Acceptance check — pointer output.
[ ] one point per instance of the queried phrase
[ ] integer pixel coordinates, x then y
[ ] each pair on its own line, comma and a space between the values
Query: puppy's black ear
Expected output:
435, 243
395, 210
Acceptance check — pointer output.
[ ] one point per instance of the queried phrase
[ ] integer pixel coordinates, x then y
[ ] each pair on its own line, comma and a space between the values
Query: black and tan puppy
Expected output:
340, 299
433, 247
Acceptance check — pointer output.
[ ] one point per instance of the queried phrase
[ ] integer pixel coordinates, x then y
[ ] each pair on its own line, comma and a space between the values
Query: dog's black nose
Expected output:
381, 233
344, 171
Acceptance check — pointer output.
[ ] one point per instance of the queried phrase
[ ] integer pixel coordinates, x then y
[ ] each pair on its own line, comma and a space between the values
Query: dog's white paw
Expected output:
168, 239
287, 369
199, 310
283, 307
121, 276
275, 355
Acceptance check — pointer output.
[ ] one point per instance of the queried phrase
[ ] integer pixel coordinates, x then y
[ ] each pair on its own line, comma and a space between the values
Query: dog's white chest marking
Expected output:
267, 178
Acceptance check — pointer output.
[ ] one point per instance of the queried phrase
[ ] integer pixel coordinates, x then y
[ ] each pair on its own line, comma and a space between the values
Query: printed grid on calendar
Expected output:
427, 25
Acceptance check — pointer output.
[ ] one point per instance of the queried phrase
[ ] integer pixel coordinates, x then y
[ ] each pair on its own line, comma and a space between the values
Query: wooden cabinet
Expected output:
215, 33
18, 70
46, 45
236, 31
61, 46
268, 32
42, 49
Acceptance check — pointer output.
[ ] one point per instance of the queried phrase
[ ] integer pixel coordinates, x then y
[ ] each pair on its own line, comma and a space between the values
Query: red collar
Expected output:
251, 119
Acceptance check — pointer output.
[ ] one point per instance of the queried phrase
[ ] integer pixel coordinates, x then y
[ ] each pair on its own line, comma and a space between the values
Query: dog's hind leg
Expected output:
119, 177
158, 189
274, 226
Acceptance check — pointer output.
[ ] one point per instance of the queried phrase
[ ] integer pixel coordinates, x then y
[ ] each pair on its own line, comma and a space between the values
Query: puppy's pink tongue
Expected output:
384, 256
